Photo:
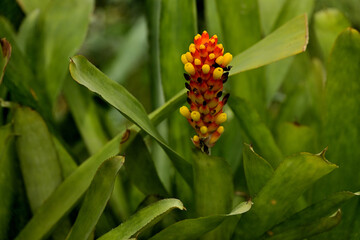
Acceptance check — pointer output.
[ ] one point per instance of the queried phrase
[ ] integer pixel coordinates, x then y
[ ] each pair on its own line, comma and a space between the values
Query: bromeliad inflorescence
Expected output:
207, 69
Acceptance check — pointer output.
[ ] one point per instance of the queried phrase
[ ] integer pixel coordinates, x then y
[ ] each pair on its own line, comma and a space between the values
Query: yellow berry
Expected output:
195, 115
197, 62
189, 57
205, 68
221, 118
227, 59
219, 60
203, 129
196, 138
185, 111
220, 129
217, 73
189, 68
211, 56
183, 59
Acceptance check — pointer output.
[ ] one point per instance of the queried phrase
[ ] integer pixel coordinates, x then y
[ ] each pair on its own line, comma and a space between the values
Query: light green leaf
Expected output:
141, 169
38, 159
189, 229
142, 218
7, 178
328, 24
257, 170
71, 190
216, 197
88, 75
293, 176
30, 5
288, 40
254, 128
96, 198
5, 53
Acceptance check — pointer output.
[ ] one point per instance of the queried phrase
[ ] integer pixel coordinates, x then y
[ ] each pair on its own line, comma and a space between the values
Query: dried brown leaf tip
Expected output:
206, 68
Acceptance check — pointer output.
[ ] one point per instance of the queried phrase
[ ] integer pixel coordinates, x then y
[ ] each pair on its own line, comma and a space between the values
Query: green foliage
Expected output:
63, 142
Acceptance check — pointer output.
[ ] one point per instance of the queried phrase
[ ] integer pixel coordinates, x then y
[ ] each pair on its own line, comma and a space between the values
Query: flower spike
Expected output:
207, 69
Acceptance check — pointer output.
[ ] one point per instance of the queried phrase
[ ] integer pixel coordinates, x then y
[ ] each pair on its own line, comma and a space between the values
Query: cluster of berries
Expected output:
207, 70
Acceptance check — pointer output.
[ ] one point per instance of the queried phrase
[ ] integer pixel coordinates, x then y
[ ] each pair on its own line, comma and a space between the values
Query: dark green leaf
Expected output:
213, 188
189, 229
70, 191
293, 176
85, 114
96, 198
257, 170
5, 53
142, 218
7, 178
141, 169
315, 212
301, 232
38, 158
253, 127
88, 75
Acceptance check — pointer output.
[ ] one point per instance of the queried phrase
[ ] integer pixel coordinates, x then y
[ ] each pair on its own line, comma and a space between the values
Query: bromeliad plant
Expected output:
124, 187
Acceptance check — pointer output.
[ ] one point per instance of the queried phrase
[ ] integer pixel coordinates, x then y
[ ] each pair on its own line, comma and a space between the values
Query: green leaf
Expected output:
7, 178
257, 170
177, 30
19, 78
212, 18
340, 130
132, 50
214, 198
305, 231
315, 212
269, 12
53, 38
5, 53
30, 5
217, 171
38, 158
288, 40
142, 218
85, 114
88, 75
253, 127
328, 24
194, 228
96, 198
293, 138
141, 169
293, 176
71, 190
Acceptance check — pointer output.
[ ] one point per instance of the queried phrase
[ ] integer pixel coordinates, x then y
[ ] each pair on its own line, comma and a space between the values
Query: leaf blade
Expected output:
96, 198
288, 40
